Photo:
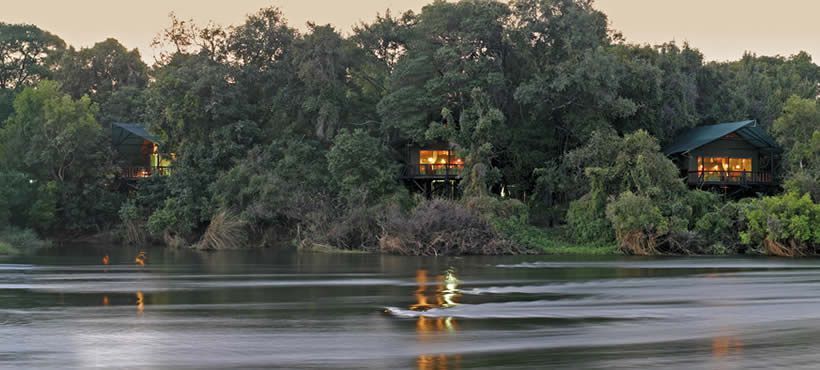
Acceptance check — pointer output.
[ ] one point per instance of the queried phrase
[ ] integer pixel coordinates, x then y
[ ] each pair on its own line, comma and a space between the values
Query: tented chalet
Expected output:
433, 168
738, 155
138, 152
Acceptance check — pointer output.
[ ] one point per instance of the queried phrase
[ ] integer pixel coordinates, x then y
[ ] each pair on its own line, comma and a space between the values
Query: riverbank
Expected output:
14, 241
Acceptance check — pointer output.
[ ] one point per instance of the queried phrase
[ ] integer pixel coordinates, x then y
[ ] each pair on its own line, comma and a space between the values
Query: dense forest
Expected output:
285, 135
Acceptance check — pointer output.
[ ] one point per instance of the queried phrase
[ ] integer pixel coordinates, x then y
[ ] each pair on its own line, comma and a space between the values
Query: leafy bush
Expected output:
549, 241
586, 218
20, 240
720, 226
494, 208
7, 249
359, 163
637, 222
783, 225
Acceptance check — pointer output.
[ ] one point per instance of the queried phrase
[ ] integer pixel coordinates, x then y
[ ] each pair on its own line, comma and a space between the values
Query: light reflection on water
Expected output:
429, 329
255, 310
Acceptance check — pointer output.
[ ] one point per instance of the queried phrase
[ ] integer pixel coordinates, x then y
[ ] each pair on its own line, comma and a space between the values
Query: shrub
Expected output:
784, 225
802, 182
20, 240
442, 227
133, 223
494, 208
358, 163
637, 222
7, 249
225, 231
586, 218
719, 227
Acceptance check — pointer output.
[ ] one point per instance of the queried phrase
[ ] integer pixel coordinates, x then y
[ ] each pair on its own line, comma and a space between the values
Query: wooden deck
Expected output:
433, 171
136, 173
729, 178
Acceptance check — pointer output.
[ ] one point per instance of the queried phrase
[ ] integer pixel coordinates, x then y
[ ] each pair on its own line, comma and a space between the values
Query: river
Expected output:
87, 307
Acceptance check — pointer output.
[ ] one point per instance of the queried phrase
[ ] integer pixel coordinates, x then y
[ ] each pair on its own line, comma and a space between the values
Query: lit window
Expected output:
717, 168
439, 162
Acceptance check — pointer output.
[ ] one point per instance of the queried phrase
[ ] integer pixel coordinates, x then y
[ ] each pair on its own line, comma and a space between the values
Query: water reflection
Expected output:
105, 301
140, 303
427, 328
141, 258
446, 292
105, 260
725, 345
440, 362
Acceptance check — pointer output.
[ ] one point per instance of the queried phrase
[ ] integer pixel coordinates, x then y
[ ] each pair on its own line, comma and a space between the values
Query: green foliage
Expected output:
283, 129
782, 225
58, 146
798, 130
111, 75
360, 166
720, 226
15, 240
475, 131
586, 218
549, 241
7, 249
638, 222
26, 203
27, 54
622, 173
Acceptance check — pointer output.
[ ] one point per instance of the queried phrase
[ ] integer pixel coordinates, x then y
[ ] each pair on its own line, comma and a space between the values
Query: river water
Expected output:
87, 307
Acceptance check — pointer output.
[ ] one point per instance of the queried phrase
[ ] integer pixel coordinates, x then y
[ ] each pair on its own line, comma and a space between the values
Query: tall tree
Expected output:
27, 54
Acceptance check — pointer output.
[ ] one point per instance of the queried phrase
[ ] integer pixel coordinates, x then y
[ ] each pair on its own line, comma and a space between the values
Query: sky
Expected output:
721, 29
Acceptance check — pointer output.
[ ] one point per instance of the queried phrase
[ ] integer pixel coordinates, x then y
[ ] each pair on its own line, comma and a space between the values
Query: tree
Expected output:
632, 164
56, 141
360, 167
479, 126
798, 131
111, 75
27, 54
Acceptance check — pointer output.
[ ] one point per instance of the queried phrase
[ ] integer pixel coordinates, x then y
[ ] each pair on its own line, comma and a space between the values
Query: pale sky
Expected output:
721, 29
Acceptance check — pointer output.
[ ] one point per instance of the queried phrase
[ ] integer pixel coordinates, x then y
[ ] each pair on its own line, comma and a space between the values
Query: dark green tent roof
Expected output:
130, 134
700, 136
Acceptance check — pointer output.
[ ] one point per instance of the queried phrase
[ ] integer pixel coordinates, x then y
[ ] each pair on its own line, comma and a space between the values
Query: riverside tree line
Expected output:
282, 134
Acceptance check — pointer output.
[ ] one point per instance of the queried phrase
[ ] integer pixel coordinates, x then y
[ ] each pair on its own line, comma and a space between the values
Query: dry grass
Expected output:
135, 232
441, 227
775, 248
638, 243
225, 231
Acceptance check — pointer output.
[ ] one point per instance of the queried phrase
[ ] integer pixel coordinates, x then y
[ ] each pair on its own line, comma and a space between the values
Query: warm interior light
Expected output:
431, 160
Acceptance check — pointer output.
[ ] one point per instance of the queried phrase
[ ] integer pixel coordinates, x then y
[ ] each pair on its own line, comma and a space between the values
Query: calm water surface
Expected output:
67, 308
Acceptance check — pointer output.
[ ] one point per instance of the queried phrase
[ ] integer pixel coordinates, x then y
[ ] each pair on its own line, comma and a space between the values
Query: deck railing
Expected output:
729, 177
435, 170
143, 172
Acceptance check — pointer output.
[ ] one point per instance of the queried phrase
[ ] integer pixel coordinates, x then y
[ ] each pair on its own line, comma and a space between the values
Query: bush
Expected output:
20, 240
784, 225
586, 218
549, 241
494, 208
637, 222
225, 231
358, 163
442, 227
133, 223
7, 249
719, 227
802, 182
